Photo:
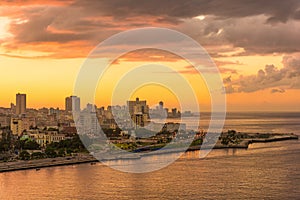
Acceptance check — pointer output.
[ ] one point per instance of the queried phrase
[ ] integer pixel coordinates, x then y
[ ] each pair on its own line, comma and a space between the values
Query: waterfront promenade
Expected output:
86, 158
48, 162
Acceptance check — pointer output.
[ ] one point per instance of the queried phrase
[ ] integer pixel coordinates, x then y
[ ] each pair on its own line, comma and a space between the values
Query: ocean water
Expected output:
251, 122
264, 171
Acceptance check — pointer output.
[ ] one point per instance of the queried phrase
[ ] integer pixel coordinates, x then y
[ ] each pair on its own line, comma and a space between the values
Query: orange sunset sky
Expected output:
255, 44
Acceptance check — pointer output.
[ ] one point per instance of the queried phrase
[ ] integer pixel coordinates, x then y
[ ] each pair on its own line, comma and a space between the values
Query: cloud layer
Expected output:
253, 26
269, 78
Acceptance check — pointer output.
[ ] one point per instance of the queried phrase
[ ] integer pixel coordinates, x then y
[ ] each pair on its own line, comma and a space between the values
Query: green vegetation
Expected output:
65, 147
24, 155
38, 155
126, 146
231, 137
197, 142
6, 142
50, 152
26, 144
112, 133
10, 145
31, 145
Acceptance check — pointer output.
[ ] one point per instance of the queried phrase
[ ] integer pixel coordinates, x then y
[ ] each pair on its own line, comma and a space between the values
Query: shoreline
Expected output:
64, 161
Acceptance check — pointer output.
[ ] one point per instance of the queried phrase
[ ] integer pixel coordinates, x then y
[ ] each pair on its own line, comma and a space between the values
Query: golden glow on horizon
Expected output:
45, 81
249, 65
164, 94
48, 81
264, 100
152, 93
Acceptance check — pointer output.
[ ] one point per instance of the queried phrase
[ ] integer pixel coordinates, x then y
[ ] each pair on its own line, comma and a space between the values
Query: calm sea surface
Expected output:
252, 122
264, 171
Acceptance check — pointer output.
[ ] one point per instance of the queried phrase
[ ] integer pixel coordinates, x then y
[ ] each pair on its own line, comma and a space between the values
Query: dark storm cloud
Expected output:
276, 10
249, 24
257, 26
250, 33
256, 37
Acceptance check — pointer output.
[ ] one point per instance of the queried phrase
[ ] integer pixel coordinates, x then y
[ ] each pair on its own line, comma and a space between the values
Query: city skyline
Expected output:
260, 69
74, 100
153, 103
149, 99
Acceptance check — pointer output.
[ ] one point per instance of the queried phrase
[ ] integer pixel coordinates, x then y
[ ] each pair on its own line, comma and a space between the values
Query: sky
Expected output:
255, 45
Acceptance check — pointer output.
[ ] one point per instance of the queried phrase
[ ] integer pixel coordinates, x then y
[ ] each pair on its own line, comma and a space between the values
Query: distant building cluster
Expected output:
48, 125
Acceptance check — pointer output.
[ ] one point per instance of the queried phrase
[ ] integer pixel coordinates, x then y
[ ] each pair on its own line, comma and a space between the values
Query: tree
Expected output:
19, 144
4, 146
31, 145
50, 152
24, 155
197, 142
37, 155
231, 137
5, 143
61, 152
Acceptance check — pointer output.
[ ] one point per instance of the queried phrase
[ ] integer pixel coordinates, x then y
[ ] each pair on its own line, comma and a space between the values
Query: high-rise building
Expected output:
139, 112
137, 107
161, 105
20, 104
72, 103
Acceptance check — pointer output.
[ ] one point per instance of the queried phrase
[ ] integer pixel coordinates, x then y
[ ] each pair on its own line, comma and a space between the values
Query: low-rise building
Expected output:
45, 138
174, 127
4, 120
18, 125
